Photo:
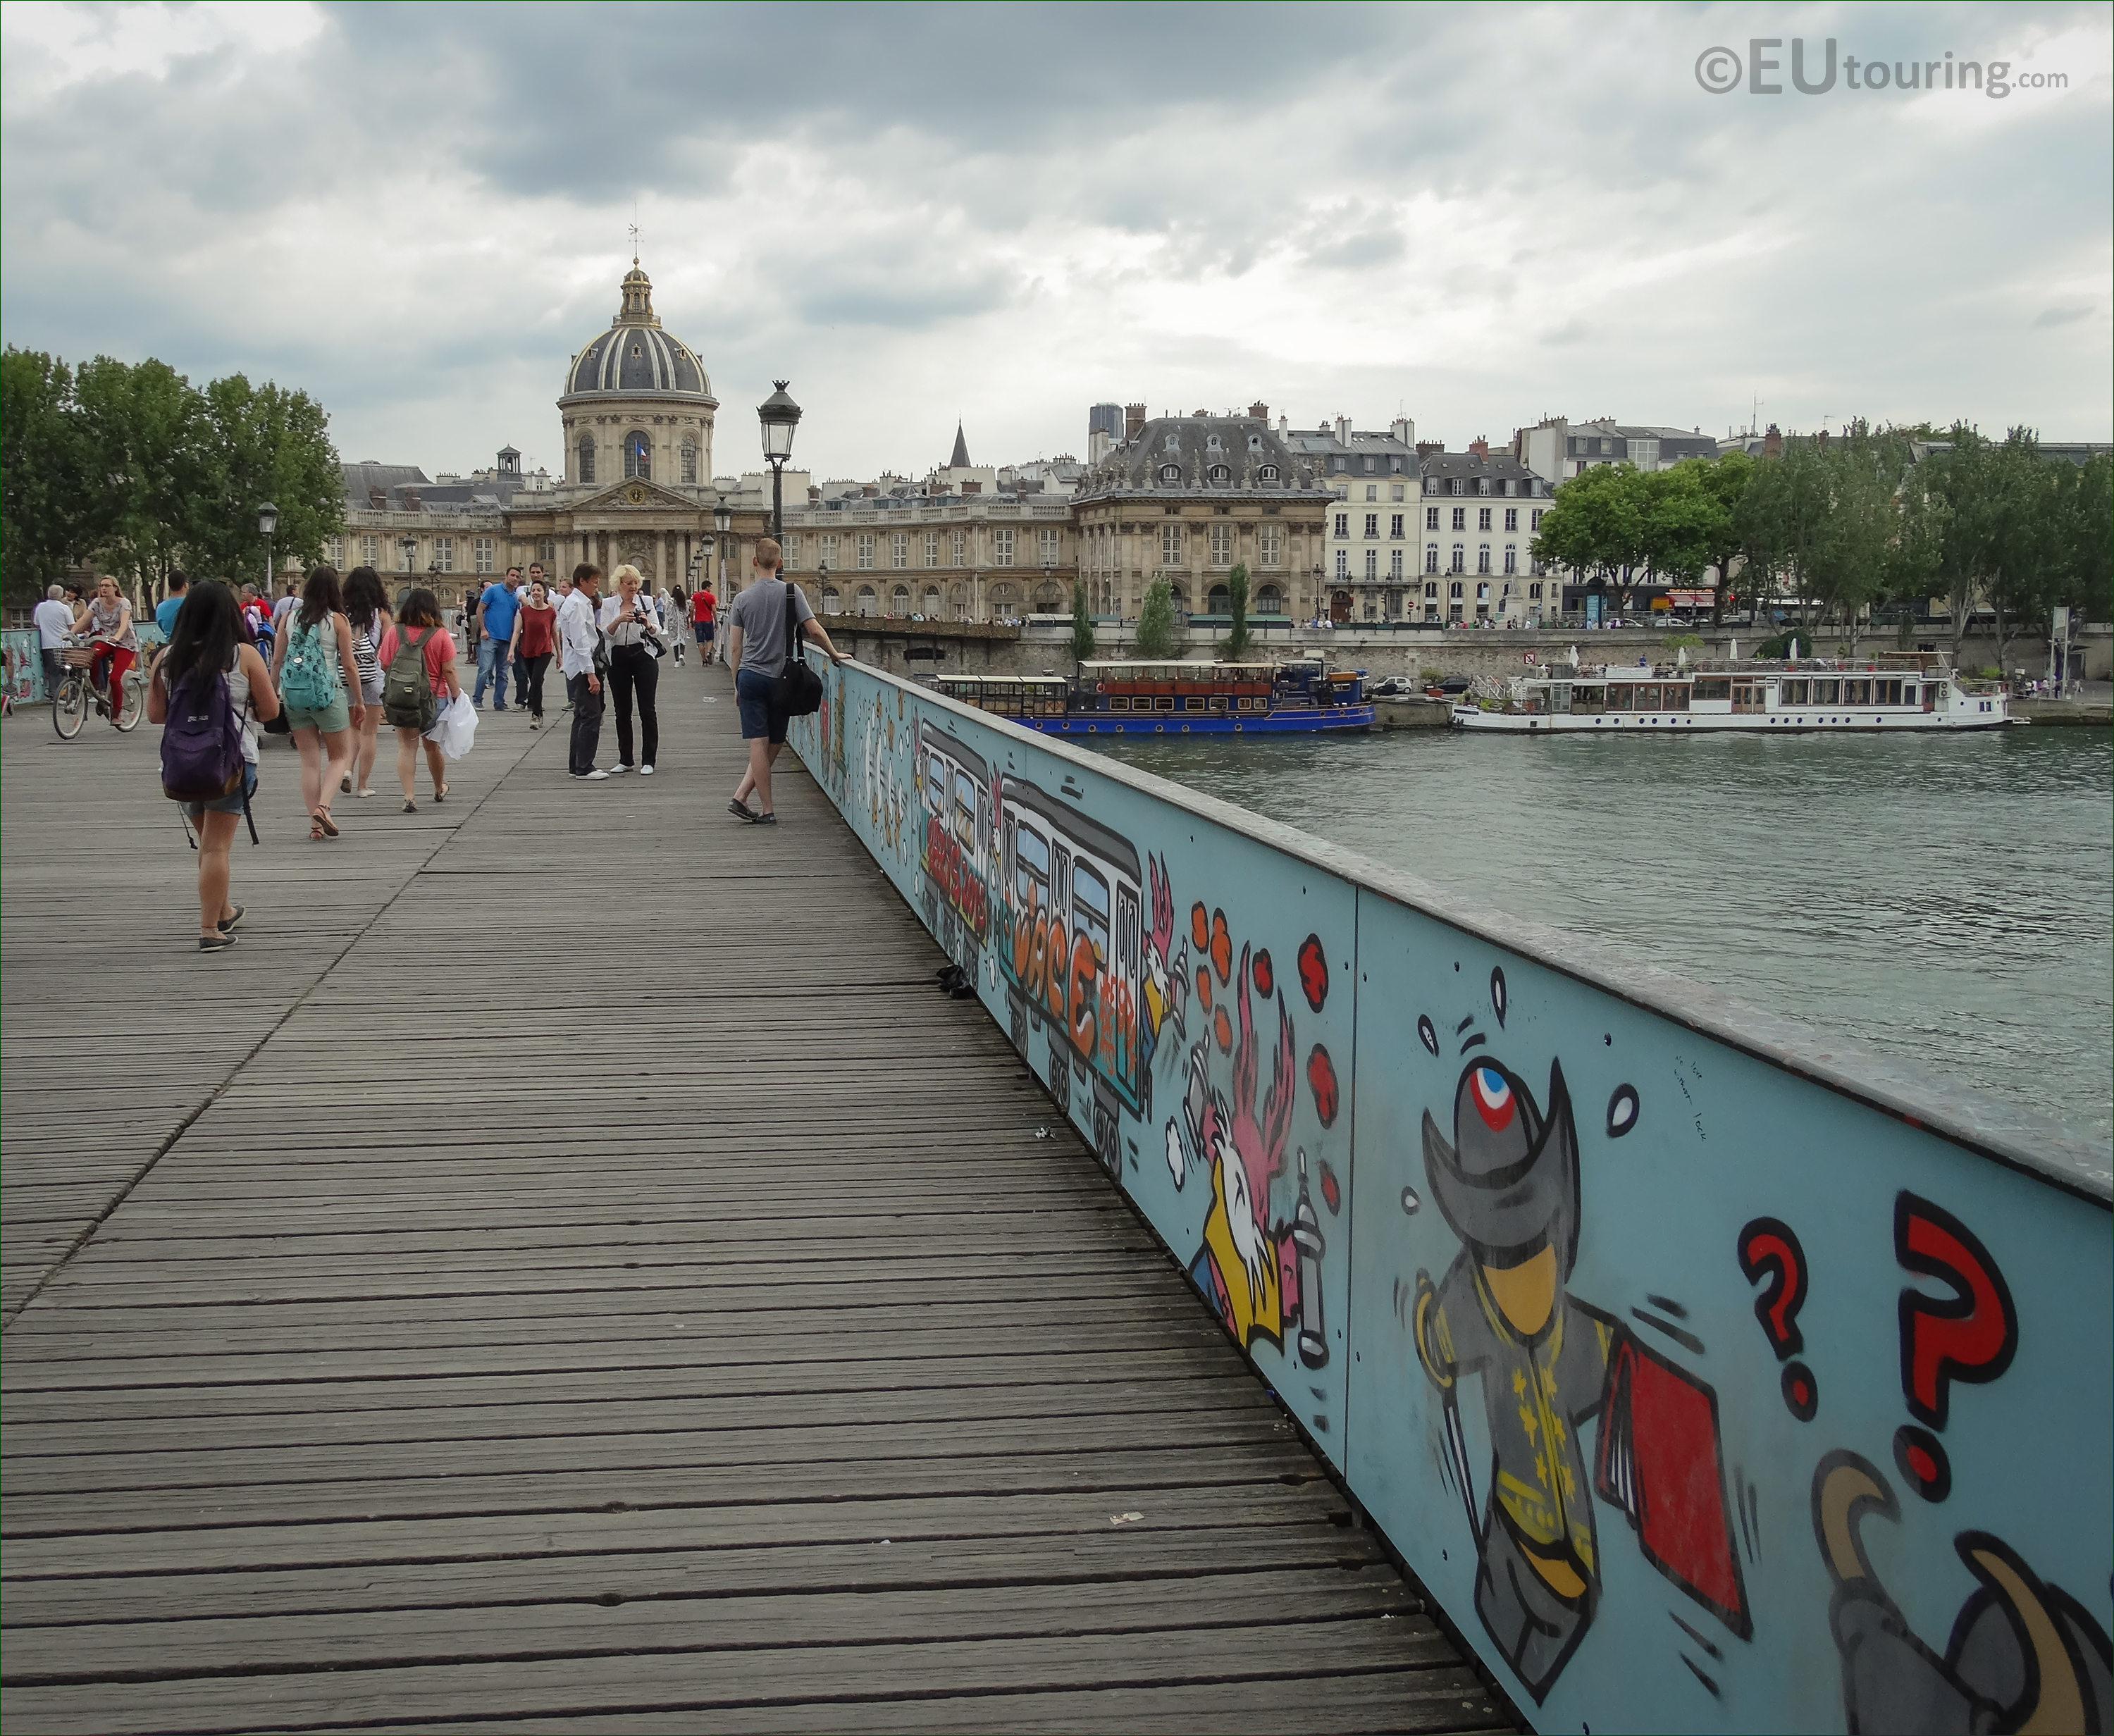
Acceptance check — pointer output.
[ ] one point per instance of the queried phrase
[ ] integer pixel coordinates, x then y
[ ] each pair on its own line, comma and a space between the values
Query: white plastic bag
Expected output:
454, 730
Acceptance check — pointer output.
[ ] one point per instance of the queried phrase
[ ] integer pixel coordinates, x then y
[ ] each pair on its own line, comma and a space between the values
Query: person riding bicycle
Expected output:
107, 617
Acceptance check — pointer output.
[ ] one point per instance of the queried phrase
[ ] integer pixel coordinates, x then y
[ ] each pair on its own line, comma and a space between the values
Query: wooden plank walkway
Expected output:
570, 1268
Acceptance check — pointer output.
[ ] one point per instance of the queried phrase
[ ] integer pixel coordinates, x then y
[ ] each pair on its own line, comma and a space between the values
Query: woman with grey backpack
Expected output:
308, 667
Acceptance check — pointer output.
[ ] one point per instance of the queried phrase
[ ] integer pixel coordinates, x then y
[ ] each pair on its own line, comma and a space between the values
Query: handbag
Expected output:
799, 687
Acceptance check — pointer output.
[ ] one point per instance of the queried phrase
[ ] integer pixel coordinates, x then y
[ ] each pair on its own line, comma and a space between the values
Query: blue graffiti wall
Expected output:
1703, 1396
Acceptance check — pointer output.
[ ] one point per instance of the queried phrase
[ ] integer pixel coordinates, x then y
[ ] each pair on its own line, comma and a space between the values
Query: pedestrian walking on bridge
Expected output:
757, 643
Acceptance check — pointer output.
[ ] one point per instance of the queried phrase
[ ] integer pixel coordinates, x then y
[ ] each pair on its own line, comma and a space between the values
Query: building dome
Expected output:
635, 358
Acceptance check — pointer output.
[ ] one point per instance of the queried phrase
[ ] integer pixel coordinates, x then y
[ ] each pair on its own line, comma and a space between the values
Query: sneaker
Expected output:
766, 819
645, 771
219, 943
620, 766
535, 722
588, 776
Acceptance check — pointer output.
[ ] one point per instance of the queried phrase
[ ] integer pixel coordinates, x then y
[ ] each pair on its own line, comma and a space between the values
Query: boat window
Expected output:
1648, 699
1031, 873
1622, 697
1119, 704
1677, 696
1794, 693
1856, 692
1889, 692
1910, 696
1827, 692
1089, 906
1713, 689
1163, 703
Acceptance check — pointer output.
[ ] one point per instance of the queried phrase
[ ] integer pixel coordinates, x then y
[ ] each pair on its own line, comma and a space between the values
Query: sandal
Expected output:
344, 784
409, 806
315, 830
323, 819
440, 794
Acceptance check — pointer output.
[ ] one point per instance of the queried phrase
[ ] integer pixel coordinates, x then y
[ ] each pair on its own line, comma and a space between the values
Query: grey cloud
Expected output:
2050, 317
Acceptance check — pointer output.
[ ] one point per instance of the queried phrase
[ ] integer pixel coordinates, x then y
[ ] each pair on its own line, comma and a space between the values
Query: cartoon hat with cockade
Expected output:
1507, 1181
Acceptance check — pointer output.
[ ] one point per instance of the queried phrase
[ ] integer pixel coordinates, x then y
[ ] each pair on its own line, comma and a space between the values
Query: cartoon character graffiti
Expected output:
1165, 990
885, 799
953, 853
1260, 1275
1508, 1183
2023, 1654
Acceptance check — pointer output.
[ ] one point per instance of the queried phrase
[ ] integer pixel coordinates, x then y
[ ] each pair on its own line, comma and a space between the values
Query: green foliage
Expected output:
132, 466
1155, 637
1239, 640
1596, 523
43, 474
1082, 623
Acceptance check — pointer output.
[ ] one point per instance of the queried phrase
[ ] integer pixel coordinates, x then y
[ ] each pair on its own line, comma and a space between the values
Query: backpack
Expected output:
201, 757
308, 678
407, 697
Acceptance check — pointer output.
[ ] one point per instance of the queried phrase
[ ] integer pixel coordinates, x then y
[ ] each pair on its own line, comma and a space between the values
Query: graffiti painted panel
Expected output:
1701, 1395
1185, 993
25, 668
1654, 1345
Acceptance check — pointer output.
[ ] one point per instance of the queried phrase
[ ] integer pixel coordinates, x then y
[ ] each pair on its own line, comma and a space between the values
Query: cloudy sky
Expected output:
1477, 215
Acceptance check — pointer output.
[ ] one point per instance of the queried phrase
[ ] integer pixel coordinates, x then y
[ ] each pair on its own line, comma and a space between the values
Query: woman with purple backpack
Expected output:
210, 679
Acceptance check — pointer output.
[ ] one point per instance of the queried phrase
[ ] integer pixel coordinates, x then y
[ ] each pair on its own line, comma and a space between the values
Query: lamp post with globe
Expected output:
722, 528
779, 416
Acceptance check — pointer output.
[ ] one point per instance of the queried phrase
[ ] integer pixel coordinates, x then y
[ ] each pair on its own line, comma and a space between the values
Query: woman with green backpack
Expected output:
418, 678
308, 666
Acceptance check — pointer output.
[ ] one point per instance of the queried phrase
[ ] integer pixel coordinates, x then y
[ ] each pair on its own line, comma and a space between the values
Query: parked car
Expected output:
1393, 686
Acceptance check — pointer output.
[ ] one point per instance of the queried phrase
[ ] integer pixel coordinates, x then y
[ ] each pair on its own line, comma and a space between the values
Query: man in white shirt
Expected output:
54, 624
579, 644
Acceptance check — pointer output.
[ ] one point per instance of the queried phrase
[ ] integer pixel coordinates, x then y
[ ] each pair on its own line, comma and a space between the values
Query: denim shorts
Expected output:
757, 695
225, 804
703, 630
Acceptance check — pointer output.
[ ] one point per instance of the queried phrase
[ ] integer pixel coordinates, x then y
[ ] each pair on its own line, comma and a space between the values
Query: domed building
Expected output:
637, 402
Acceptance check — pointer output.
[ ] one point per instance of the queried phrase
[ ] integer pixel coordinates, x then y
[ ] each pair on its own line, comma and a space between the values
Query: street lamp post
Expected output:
779, 416
822, 584
268, 521
722, 528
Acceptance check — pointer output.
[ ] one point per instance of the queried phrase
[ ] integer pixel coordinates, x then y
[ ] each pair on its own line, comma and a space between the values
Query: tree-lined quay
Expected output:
1838, 528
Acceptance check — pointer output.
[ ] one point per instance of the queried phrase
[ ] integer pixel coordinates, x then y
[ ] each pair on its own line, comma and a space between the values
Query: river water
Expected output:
1945, 898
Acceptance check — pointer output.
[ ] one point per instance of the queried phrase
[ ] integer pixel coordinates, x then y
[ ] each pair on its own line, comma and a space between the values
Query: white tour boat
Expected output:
1893, 690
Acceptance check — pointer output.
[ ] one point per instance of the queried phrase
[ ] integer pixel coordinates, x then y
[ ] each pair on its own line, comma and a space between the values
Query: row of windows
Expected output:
1395, 521
867, 549
1219, 540
1459, 485
638, 457
483, 553
1171, 475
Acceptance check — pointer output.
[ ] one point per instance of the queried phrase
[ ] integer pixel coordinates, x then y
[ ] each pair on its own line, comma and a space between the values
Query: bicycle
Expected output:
76, 688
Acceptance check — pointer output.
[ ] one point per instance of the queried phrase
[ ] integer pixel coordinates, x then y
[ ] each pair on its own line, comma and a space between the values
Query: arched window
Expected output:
1269, 600
831, 602
587, 458
898, 601
1218, 600
1220, 473
689, 459
931, 602
1049, 599
638, 455
1004, 601
868, 603
1170, 473
1268, 473
1181, 596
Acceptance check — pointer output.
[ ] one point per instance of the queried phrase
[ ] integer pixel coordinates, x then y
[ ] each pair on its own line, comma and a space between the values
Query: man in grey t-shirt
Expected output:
756, 647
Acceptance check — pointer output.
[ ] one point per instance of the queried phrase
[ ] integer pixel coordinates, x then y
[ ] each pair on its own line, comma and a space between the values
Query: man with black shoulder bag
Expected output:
772, 684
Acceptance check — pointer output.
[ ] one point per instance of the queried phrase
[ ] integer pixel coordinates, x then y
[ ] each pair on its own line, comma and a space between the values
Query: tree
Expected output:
1847, 555
1238, 638
1780, 518
257, 444
1155, 622
141, 427
2025, 553
1082, 624
1595, 524
2086, 516
44, 487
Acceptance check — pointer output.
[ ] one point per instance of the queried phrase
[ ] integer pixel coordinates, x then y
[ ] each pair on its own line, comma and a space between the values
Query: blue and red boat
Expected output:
1140, 697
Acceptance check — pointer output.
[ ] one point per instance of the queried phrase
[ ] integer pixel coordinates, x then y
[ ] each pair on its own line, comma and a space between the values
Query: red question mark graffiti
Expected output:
1769, 1246
1970, 1336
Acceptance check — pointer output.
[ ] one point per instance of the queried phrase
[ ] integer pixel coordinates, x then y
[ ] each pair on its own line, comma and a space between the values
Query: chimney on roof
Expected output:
1260, 411
1404, 430
968, 487
1343, 431
1202, 414
377, 499
870, 491
814, 495
1134, 421
1480, 446
1773, 443
1425, 448
1284, 426
411, 500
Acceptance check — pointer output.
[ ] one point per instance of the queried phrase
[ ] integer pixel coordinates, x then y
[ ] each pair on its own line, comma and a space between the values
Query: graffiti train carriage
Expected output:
1071, 953
955, 848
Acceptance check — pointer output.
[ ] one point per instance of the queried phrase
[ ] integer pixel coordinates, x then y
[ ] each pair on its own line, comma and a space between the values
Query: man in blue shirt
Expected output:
496, 610
165, 611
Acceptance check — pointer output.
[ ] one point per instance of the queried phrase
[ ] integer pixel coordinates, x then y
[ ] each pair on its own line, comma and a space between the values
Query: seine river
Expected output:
1949, 899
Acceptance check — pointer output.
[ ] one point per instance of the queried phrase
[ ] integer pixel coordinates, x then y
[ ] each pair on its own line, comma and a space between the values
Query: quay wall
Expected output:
1709, 1376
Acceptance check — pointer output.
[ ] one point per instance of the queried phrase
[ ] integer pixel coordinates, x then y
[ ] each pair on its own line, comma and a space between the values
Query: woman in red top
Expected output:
419, 621
702, 607
535, 624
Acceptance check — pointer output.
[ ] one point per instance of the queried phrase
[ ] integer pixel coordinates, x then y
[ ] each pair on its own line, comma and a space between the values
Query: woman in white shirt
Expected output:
633, 629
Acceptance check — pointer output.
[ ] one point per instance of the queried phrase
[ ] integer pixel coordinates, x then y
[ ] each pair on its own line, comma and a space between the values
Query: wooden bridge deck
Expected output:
569, 1268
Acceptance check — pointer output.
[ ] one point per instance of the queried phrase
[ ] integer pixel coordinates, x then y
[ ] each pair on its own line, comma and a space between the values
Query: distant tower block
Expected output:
1105, 431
